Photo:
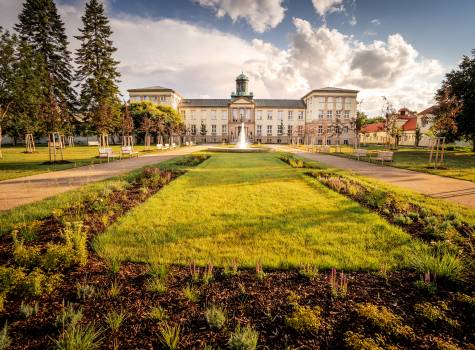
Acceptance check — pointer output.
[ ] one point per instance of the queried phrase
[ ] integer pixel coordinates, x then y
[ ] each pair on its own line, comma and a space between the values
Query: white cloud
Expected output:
260, 14
199, 61
353, 21
327, 6
375, 22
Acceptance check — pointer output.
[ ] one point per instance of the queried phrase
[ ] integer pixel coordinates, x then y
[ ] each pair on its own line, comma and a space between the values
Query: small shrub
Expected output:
304, 319
75, 235
308, 271
27, 310
85, 291
357, 341
194, 272
215, 317
79, 337
114, 320
440, 262
28, 230
384, 319
338, 286
170, 336
10, 278
427, 283
243, 338
24, 256
441, 344
5, 340
114, 266
57, 256
114, 290
435, 313
467, 300
208, 275
191, 293
158, 314
37, 283
231, 269
401, 219
156, 285
69, 317
260, 274
158, 271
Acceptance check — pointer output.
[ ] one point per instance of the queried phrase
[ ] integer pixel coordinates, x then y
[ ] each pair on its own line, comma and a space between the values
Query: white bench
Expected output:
93, 143
173, 145
159, 146
384, 156
106, 152
128, 150
359, 152
167, 146
187, 143
191, 143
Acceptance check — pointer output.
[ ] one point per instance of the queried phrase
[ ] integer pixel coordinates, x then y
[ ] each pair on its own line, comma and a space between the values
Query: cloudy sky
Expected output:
398, 49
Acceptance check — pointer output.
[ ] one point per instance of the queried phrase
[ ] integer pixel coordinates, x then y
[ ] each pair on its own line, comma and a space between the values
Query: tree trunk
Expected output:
473, 144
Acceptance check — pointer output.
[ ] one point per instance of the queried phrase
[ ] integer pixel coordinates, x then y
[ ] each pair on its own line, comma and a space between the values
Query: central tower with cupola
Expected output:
242, 89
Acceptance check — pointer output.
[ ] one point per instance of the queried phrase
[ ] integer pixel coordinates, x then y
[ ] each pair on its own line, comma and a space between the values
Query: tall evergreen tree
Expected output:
42, 28
97, 69
7, 55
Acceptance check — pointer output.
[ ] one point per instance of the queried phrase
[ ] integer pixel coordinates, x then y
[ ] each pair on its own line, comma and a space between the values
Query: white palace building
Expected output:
322, 116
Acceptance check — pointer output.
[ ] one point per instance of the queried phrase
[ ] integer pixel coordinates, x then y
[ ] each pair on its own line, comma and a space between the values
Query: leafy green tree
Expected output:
357, 124
7, 58
203, 129
417, 136
41, 27
97, 70
456, 99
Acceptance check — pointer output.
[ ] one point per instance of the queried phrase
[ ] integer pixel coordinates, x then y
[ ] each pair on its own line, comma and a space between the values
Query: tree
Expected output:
456, 101
203, 130
7, 54
417, 136
357, 124
97, 70
390, 122
42, 28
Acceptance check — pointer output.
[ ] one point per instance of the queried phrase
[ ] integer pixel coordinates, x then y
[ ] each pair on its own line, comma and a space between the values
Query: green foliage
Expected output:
208, 275
69, 317
114, 290
243, 338
75, 236
37, 283
436, 313
357, 341
24, 256
156, 285
303, 319
158, 313
382, 318
10, 278
79, 337
439, 262
27, 310
170, 336
57, 256
85, 291
215, 316
114, 266
308, 271
158, 271
114, 320
5, 340
192, 160
191, 293
231, 268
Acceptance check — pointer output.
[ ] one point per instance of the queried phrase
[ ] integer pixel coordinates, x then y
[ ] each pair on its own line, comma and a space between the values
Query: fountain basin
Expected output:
238, 150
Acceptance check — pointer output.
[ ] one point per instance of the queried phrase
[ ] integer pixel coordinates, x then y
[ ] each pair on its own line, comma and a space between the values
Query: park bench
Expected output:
359, 152
167, 146
384, 156
159, 146
325, 149
187, 143
93, 143
191, 143
128, 150
173, 145
106, 152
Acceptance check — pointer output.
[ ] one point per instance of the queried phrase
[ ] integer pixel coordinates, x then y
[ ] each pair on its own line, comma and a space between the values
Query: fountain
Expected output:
242, 138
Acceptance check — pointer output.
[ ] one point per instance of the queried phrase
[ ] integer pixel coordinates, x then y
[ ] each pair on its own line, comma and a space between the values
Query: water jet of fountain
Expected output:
242, 138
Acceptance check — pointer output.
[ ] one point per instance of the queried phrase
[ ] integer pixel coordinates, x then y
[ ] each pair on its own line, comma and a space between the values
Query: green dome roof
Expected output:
242, 76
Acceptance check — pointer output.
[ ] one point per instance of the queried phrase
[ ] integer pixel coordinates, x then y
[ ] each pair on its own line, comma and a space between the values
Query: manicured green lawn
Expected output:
254, 208
16, 163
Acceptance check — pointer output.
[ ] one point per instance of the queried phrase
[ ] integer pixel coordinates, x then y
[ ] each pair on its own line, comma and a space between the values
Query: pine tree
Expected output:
42, 28
7, 52
97, 69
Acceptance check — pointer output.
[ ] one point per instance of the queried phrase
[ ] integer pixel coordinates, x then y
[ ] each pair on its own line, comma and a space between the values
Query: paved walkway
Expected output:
454, 190
24, 190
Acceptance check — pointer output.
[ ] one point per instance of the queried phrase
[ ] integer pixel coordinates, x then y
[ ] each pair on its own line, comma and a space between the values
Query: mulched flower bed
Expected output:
247, 300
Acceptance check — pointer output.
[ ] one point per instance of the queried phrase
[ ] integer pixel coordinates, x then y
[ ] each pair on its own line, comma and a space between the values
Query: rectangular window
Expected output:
259, 115
213, 115
259, 130
329, 142
235, 115
163, 98
330, 101
192, 115
321, 102
347, 114
193, 129
320, 129
300, 115
300, 129
345, 130
280, 115
329, 114
224, 115
280, 129
269, 129
213, 129
224, 129
347, 103
289, 115
321, 113
289, 130
338, 113
345, 142
145, 98
269, 115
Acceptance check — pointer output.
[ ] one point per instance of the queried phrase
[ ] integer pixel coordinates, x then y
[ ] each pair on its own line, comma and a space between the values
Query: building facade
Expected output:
323, 116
